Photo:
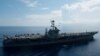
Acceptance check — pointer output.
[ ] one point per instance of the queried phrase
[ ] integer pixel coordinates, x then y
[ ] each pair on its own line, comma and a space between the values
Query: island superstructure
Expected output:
51, 37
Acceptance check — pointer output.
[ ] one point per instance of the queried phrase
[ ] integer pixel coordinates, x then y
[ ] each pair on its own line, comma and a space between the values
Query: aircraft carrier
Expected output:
51, 37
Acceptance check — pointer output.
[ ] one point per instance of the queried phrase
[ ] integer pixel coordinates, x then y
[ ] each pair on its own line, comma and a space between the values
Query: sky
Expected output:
41, 12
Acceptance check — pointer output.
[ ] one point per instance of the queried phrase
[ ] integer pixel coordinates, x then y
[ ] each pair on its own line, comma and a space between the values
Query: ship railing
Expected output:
5, 37
74, 34
26, 35
23, 37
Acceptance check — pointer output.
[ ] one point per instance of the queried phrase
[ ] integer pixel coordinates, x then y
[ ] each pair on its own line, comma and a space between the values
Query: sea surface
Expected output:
88, 49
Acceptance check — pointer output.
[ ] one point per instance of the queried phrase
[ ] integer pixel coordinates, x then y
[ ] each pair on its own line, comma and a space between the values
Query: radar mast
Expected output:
53, 24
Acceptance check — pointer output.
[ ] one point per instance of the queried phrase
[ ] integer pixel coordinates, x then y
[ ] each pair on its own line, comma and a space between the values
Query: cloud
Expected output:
85, 12
82, 21
82, 12
30, 3
44, 19
84, 5
33, 19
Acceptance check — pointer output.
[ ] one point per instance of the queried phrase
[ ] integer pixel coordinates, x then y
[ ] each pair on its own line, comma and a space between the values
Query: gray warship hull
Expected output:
67, 39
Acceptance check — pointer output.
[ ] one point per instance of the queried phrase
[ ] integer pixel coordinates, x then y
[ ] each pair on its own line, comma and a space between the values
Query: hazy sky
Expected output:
40, 12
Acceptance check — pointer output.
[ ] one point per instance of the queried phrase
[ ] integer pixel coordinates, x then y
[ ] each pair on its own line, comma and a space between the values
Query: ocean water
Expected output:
88, 49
